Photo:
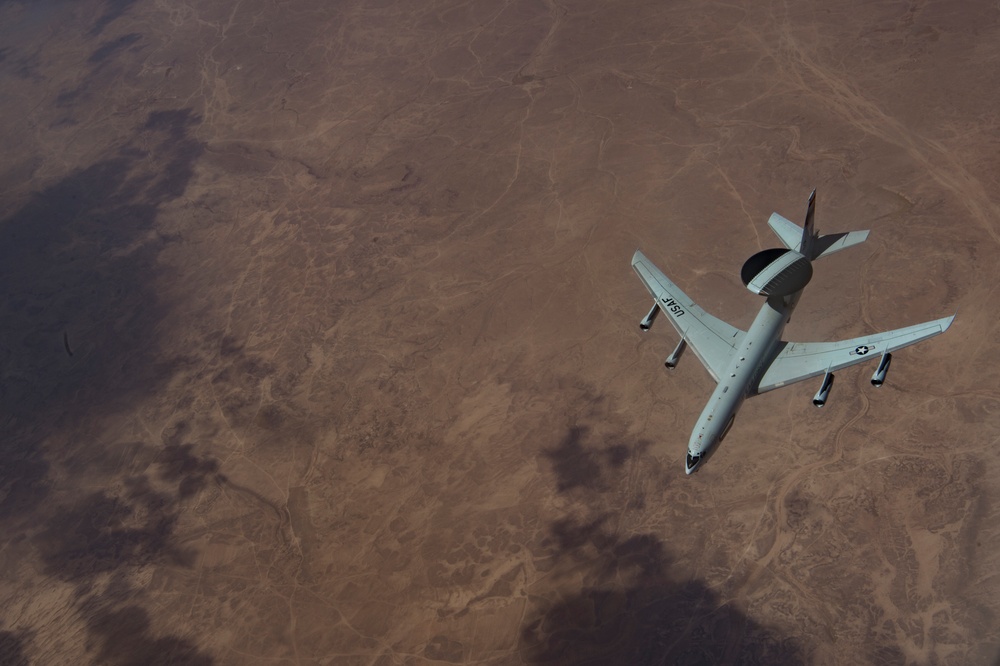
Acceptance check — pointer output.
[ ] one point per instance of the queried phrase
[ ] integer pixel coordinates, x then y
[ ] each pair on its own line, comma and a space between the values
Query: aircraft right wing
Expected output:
801, 360
713, 340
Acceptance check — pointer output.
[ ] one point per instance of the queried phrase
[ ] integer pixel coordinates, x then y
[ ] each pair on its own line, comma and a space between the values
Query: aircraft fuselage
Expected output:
740, 379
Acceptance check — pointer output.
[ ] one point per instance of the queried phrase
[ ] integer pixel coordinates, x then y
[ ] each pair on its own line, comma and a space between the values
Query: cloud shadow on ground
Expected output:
125, 636
78, 272
82, 317
12, 649
629, 607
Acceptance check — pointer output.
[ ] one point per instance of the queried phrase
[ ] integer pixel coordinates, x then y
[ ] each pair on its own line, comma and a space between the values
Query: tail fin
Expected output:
809, 235
806, 241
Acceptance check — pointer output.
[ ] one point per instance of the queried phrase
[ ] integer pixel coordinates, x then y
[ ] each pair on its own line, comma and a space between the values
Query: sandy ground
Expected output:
320, 343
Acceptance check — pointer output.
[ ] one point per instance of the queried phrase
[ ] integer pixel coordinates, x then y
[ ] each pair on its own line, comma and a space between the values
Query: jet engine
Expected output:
878, 378
675, 356
824, 390
646, 323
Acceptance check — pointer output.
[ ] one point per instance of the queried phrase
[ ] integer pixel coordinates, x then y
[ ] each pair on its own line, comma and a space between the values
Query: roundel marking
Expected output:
861, 350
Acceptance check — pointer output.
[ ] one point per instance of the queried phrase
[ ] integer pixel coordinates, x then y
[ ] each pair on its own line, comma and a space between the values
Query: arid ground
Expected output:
320, 340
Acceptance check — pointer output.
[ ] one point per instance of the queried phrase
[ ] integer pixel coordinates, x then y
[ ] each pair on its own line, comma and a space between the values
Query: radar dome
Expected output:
776, 272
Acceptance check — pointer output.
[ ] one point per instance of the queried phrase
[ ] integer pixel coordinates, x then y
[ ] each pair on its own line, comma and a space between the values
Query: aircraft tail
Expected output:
806, 241
808, 232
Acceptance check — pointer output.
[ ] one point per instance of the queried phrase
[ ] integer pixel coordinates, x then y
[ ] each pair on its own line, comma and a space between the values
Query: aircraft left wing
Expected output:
801, 360
712, 340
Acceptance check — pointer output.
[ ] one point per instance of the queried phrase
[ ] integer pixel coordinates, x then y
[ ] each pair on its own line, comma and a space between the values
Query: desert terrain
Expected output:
320, 340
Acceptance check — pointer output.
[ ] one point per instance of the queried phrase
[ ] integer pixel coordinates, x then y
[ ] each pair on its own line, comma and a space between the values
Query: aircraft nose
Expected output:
691, 463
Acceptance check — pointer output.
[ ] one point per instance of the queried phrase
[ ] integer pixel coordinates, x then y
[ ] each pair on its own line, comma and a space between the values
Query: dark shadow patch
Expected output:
109, 49
125, 637
12, 649
442, 648
181, 466
25, 481
79, 263
630, 611
25, 66
102, 533
66, 99
577, 465
113, 10
574, 465
617, 455
629, 608
65, 121
571, 536
106, 63
175, 172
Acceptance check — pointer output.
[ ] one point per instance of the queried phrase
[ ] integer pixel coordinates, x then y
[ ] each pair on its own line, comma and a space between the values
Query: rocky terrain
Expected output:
320, 340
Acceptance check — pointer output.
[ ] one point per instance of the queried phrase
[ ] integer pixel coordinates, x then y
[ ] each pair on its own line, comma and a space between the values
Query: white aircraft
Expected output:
746, 363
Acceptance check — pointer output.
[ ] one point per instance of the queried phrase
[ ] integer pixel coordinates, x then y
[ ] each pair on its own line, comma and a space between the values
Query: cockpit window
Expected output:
693, 460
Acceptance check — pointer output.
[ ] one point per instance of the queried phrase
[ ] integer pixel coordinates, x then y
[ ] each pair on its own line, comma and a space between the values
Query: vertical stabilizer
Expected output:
808, 232
806, 241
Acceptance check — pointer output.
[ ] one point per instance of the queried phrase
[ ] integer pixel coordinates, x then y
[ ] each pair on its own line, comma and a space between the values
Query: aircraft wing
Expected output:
712, 340
801, 360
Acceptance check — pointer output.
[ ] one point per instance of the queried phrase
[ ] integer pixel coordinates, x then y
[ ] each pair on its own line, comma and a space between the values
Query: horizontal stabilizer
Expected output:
827, 245
791, 235
789, 232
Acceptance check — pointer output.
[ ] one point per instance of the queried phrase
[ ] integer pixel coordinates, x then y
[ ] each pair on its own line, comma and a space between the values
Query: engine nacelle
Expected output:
878, 378
647, 323
824, 390
675, 356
